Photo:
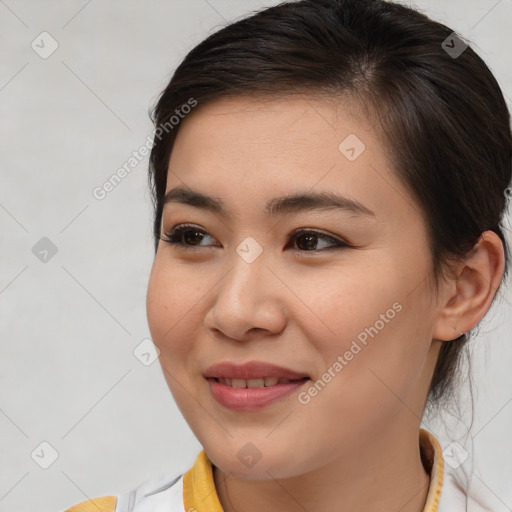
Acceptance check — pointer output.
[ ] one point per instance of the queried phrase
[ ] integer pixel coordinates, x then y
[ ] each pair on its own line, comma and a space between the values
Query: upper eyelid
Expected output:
295, 231
320, 233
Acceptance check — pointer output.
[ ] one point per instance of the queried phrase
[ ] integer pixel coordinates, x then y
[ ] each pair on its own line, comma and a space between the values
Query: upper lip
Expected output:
251, 370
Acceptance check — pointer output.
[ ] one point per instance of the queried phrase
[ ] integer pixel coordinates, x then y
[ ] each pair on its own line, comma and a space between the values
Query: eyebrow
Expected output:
285, 204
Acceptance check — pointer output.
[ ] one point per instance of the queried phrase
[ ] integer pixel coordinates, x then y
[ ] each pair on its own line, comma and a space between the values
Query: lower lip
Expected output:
251, 399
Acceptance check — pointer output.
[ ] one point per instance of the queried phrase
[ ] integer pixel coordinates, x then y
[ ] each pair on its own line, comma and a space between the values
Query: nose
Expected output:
248, 302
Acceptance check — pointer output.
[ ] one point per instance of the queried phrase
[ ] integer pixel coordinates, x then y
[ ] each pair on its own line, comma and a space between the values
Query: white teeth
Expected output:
238, 383
255, 383
252, 383
271, 381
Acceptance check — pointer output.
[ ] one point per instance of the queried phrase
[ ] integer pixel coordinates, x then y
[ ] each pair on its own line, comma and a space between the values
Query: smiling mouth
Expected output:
252, 394
255, 383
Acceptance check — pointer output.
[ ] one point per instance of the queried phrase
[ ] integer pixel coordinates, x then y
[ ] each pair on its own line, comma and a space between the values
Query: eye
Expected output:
185, 235
306, 239
188, 235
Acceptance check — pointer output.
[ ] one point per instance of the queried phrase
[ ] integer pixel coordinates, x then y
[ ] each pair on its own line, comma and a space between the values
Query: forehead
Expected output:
248, 149
285, 121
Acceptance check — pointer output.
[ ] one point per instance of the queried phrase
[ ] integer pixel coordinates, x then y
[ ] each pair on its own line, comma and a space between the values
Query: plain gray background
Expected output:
69, 325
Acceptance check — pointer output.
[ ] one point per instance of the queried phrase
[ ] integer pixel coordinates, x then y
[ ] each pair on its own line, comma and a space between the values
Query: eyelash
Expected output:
174, 237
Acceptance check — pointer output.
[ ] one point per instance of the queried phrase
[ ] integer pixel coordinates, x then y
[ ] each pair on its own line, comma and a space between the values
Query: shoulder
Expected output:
164, 493
103, 504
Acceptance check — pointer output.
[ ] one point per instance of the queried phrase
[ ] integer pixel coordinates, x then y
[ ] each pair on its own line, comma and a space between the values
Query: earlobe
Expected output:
469, 295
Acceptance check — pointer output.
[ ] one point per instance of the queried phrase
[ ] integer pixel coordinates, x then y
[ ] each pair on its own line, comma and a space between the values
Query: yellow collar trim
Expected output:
103, 504
432, 454
199, 491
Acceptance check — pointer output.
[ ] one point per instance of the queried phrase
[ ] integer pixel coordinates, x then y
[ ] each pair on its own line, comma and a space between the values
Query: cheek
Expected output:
371, 320
352, 304
170, 302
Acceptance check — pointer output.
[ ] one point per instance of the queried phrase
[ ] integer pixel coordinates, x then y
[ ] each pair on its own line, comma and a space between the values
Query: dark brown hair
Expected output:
443, 116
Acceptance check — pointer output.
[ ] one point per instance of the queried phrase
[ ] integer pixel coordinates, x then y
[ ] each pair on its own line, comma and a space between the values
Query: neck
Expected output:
386, 475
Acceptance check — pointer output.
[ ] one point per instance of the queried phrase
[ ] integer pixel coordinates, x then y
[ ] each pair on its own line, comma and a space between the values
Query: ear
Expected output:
468, 296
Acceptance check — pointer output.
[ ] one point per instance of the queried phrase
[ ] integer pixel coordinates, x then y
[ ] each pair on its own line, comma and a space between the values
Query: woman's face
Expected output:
346, 305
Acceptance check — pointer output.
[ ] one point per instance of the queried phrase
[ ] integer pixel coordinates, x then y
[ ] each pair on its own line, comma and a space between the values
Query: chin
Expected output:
249, 464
